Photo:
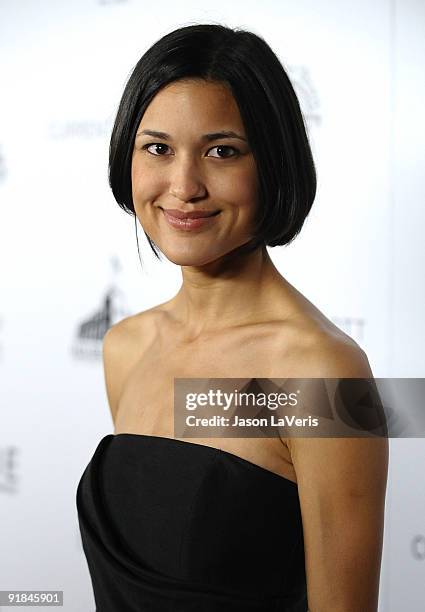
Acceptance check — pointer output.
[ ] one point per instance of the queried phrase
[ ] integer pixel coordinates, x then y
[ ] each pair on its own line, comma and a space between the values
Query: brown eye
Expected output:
224, 149
158, 145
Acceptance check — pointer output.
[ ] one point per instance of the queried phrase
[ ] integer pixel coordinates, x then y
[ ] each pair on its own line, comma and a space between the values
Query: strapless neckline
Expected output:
212, 450
173, 525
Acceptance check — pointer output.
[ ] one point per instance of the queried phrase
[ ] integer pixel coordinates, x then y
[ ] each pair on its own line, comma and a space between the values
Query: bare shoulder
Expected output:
330, 353
315, 347
324, 351
341, 486
124, 344
133, 331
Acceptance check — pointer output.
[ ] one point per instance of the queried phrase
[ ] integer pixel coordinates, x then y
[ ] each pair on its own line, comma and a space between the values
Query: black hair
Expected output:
269, 109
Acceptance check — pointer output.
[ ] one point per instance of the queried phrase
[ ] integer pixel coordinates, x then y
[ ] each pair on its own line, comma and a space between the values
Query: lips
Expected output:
193, 214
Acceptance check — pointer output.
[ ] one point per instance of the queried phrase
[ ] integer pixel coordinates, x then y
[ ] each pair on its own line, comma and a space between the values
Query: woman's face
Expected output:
191, 167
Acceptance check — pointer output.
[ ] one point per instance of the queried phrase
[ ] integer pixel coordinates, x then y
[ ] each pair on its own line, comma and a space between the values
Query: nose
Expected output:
186, 182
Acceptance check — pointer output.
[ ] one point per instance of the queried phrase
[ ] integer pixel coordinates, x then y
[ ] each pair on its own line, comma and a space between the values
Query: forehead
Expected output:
195, 103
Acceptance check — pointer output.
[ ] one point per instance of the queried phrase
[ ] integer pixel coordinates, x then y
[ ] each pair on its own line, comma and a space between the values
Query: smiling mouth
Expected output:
193, 214
186, 223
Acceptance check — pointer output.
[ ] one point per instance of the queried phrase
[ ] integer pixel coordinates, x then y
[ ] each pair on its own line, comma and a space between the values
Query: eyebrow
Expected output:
207, 137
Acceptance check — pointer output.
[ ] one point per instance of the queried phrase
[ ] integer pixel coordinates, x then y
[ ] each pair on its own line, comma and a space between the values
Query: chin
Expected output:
190, 260
191, 257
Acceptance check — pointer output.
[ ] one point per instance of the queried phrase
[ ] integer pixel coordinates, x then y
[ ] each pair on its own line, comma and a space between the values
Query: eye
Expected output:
155, 144
161, 148
225, 148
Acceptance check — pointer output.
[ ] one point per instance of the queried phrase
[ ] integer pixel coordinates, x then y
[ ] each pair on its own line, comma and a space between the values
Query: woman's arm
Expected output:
119, 356
342, 487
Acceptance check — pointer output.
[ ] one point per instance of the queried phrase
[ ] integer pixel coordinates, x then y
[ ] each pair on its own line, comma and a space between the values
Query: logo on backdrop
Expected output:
88, 339
8, 469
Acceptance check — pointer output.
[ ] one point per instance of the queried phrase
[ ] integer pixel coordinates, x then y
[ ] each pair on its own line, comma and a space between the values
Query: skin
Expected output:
229, 301
191, 173
185, 171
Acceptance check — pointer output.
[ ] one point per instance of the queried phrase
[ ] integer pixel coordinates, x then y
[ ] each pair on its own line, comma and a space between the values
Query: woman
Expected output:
209, 128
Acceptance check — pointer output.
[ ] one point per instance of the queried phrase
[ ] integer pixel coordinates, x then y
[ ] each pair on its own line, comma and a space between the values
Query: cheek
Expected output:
145, 184
243, 189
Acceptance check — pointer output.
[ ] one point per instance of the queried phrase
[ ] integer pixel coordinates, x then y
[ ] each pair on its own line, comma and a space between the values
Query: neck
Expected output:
234, 290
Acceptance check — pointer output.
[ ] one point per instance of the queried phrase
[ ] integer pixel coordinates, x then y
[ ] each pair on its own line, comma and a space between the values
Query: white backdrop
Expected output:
69, 262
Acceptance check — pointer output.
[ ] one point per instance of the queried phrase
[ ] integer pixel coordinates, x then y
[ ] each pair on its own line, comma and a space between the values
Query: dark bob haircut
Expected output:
269, 109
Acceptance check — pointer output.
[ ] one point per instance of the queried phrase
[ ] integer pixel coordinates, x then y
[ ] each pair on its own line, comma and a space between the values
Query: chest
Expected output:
147, 401
148, 394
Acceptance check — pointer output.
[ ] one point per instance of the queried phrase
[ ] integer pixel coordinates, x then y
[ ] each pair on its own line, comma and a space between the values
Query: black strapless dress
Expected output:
174, 526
